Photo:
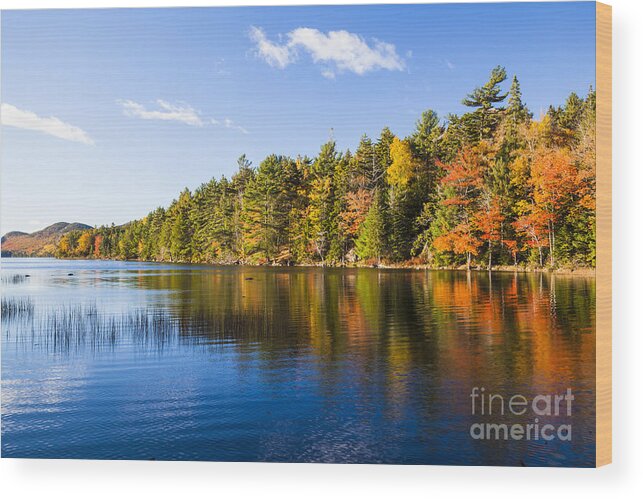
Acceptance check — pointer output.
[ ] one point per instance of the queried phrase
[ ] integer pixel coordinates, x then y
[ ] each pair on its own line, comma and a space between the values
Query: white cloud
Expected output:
328, 73
167, 112
337, 51
228, 123
274, 54
182, 113
28, 120
347, 51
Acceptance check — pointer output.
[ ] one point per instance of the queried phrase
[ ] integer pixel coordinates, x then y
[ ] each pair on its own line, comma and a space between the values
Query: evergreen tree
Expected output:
382, 158
517, 112
240, 181
181, 229
322, 201
372, 240
364, 160
264, 215
481, 123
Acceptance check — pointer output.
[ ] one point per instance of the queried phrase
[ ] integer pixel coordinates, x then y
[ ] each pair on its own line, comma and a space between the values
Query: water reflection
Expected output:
335, 365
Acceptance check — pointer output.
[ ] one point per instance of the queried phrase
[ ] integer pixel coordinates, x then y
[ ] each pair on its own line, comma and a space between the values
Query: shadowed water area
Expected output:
118, 360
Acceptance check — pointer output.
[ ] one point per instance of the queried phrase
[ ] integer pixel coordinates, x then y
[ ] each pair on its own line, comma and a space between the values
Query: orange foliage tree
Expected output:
98, 240
556, 183
462, 182
357, 205
534, 226
489, 221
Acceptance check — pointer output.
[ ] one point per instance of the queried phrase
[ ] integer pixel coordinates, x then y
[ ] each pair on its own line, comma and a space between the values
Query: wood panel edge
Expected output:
603, 234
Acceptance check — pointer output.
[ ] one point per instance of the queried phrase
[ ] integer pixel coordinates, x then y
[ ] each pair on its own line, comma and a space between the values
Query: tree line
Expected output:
493, 186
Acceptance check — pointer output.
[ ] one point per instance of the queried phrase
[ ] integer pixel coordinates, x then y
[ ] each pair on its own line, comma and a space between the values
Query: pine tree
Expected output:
340, 240
181, 229
382, 159
240, 180
364, 162
517, 112
481, 124
372, 241
265, 210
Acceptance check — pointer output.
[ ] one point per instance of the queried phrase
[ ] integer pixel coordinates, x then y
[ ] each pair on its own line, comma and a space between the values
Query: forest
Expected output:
490, 188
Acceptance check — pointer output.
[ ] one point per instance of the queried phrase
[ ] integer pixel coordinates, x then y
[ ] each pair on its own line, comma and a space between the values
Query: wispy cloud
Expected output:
274, 54
182, 113
336, 51
228, 123
220, 69
28, 120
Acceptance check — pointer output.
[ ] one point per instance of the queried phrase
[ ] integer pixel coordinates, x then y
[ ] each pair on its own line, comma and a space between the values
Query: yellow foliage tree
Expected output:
84, 245
64, 248
402, 167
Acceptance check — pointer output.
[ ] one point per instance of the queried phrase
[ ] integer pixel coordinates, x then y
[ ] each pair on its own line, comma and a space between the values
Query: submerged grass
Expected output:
14, 279
13, 308
76, 325
73, 326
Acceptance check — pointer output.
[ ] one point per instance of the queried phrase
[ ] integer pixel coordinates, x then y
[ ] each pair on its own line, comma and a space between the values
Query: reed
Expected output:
13, 279
78, 324
73, 326
68, 327
13, 308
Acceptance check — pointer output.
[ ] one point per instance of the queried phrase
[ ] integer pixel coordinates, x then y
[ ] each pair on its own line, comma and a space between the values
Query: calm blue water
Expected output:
115, 360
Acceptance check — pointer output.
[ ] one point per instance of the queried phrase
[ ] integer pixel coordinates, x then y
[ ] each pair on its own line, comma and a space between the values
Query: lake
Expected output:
128, 360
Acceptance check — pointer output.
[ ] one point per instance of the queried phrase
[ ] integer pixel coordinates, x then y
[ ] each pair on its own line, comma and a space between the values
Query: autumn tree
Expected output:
462, 184
557, 185
533, 226
402, 199
84, 244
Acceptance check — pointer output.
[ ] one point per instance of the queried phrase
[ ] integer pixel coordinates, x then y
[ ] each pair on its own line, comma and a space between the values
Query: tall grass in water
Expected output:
70, 327
14, 308
13, 279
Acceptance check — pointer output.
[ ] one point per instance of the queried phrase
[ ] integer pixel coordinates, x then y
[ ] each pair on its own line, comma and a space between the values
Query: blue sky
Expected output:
109, 113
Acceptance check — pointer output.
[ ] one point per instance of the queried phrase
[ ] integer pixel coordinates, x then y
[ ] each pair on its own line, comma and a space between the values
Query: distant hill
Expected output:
40, 243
